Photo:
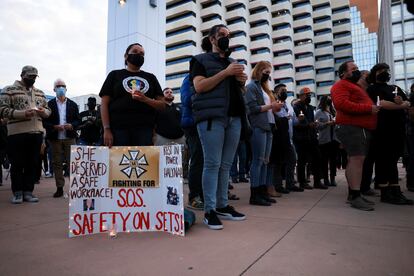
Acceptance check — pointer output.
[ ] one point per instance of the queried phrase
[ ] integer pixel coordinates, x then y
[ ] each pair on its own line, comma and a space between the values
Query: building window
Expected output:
238, 33
341, 21
300, 4
321, 19
398, 50
281, 26
181, 45
303, 42
342, 34
175, 90
275, 2
176, 76
324, 83
259, 37
396, 12
180, 31
410, 68
236, 20
283, 80
283, 66
282, 53
409, 48
323, 44
303, 55
304, 69
280, 13
302, 29
260, 51
340, 9
235, 7
325, 70
322, 32
397, 31
343, 59
210, 4
409, 29
321, 7
179, 3
323, 57
211, 17
301, 16
258, 10
181, 16
399, 69
342, 47
239, 48
178, 60
282, 39
305, 82
259, 23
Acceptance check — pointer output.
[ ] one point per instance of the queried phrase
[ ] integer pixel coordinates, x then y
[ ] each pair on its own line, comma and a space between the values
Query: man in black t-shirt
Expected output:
168, 124
90, 125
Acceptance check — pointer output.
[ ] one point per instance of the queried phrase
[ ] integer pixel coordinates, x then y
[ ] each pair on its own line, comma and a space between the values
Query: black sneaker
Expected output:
229, 213
295, 189
243, 180
306, 186
212, 221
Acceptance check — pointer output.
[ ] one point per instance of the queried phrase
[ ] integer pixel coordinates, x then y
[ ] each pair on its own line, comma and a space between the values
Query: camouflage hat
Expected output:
304, 90
29, 71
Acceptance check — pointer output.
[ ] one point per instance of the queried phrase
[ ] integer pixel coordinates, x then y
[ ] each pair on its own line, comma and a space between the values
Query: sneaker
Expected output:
17, 198
212, 221
296, 189
231, 187
234, 180
369, 202
243, 180
282, 190
306, 186
196, 203
48, 175
370, 192
229, 213
360, 204
29, 197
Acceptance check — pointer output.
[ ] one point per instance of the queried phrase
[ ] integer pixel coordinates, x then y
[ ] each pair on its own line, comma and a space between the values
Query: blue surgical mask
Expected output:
60, 91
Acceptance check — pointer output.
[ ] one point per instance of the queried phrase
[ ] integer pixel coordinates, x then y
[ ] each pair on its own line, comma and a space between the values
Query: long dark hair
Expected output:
129, 48
323, 105
372, 78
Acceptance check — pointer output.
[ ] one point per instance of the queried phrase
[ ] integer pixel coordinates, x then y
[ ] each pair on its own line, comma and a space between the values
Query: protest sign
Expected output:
125, 189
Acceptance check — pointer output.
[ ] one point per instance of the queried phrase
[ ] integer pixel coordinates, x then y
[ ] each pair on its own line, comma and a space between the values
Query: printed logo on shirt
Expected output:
135, 83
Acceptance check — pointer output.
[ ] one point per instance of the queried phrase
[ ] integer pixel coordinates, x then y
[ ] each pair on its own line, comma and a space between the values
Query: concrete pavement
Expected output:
310, 233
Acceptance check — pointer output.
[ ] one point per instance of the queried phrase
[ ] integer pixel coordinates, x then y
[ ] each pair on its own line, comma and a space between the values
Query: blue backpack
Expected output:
186, 92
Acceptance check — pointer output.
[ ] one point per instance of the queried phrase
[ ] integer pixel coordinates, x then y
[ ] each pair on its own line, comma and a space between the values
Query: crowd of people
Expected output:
234, 131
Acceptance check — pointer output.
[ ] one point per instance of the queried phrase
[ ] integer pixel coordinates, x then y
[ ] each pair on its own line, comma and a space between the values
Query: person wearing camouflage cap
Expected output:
24, 106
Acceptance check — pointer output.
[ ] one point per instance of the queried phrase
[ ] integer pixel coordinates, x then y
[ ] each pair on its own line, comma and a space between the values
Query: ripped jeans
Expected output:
261, 143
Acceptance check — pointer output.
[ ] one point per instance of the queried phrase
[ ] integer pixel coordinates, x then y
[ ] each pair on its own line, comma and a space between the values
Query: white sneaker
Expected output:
29, 197
17, 198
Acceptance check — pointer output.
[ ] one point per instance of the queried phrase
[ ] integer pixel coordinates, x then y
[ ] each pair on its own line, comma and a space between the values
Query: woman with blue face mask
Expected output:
130, 99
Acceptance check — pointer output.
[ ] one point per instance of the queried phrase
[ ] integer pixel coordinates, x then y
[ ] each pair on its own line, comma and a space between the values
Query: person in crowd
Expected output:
389, 136
61, 131
306, 141
369, 161
90, 127
3, 147
261, 104
168, 123
328, 144
410, 142
24, 107
130, 99
217, 108
355, 119
238, 168
283, 154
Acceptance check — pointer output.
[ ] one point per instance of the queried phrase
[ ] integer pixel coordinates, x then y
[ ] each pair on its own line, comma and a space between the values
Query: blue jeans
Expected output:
219, 141
261, 143
240, 159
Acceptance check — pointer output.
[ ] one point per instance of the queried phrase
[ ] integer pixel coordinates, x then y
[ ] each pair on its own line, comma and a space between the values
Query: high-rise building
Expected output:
305, 41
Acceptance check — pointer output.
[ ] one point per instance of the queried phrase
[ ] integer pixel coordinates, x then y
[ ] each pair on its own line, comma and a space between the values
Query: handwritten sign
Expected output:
125, 189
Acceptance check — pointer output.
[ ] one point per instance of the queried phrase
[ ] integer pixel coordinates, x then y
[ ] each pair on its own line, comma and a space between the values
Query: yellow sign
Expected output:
134, 167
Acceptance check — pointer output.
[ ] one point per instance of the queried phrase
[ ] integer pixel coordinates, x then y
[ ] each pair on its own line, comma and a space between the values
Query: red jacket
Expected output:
353, 105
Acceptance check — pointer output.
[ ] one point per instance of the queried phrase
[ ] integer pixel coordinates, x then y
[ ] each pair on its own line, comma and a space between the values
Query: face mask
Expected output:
28, 82
283, 96
136, 59
265, 78
383, 77
307, 100
356, 75
223, 43
60, 91
91, 106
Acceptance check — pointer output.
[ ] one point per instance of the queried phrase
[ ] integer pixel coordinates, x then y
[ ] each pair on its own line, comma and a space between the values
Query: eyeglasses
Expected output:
60, 85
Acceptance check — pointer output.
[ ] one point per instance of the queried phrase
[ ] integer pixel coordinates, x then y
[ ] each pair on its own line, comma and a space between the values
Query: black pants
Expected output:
410, 161
386, 159
308, 151
24, 154
329, 155
196, 163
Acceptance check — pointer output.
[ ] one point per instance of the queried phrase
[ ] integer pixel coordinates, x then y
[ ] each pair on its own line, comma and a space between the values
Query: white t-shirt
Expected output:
267, 101
62, 118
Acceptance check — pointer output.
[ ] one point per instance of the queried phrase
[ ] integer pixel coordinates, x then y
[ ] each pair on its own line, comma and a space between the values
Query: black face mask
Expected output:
307, 100
136, 59
265, 78
283, 96
384, 77
223, 43
91, 106
356, 75
28, 82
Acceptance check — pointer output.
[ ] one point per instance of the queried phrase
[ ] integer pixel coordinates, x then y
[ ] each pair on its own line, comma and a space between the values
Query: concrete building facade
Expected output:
305, 41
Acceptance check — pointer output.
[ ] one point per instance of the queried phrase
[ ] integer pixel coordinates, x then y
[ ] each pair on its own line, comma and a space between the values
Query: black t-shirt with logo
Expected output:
90, 126
124, 112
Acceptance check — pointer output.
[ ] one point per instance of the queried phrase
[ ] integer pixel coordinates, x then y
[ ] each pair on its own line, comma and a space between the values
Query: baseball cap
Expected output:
29, 70
304, 90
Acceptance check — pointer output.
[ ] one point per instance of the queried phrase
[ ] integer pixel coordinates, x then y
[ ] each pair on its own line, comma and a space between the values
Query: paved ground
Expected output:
310, 233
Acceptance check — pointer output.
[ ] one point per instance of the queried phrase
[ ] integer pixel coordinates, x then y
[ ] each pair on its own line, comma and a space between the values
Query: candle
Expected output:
112, 231
378, 101
395, 91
